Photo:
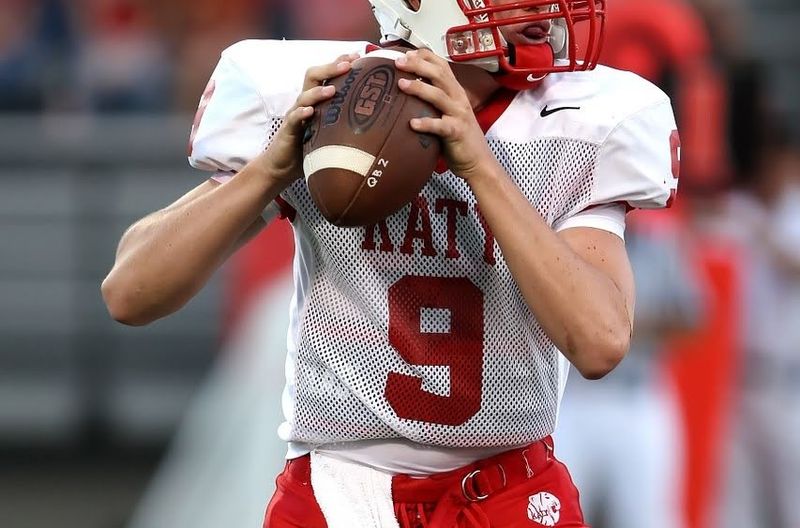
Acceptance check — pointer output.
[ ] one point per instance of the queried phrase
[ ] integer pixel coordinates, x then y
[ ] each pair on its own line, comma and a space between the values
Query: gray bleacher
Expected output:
68, 189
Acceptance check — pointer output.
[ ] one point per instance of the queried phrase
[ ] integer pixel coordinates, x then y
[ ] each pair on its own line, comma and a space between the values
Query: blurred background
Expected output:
103, 426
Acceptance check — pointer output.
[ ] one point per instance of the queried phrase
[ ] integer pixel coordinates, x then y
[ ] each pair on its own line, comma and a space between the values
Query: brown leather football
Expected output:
361, 159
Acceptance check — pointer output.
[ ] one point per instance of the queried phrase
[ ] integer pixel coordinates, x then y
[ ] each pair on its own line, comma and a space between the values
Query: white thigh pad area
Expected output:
351, 495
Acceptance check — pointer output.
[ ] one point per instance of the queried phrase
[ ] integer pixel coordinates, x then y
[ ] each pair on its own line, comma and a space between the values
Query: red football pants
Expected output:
525, 487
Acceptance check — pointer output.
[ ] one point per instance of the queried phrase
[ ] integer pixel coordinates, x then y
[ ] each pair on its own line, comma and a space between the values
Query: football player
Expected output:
427, 355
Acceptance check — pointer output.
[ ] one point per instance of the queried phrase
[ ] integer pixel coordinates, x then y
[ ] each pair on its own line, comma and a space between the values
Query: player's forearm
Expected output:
166, 258
581, 309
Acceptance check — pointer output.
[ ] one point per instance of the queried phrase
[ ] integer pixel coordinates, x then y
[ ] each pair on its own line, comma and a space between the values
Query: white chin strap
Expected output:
391, 28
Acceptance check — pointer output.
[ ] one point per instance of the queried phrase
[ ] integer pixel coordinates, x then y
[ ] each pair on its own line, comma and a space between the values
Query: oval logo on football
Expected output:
369, 97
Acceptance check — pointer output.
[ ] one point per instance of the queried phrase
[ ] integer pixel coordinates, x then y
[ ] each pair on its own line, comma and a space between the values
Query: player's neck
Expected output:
478, 83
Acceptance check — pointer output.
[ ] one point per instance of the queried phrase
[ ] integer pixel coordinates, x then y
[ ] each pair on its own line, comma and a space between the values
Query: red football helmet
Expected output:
549, 33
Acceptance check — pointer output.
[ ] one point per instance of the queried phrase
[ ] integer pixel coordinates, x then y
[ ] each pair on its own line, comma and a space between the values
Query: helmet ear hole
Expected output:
413, 4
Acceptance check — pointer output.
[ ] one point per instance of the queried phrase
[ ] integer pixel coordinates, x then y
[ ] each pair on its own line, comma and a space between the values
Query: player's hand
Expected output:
465, 146
282, 161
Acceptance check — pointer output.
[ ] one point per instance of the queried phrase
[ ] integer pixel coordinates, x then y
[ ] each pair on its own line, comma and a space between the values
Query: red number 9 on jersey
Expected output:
460, 348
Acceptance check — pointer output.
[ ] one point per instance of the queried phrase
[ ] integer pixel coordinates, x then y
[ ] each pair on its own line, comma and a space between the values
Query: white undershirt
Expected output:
609, 217
402, 456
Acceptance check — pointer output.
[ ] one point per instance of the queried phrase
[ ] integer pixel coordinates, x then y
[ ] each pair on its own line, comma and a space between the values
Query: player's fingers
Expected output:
318, 72
315, 95
294, 120
429, 56
432, 94
316, 75
412, 62
429, 66
432, 125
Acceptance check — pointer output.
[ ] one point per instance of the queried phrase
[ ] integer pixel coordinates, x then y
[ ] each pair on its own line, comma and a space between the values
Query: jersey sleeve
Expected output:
232, 125
637, 165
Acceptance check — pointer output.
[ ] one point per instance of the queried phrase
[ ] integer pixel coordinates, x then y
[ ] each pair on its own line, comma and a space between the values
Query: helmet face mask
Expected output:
472, 32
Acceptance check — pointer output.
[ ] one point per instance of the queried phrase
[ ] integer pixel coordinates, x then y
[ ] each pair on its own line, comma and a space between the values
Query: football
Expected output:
361, 159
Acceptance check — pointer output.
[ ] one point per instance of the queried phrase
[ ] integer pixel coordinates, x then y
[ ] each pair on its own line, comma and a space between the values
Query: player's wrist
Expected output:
269, 178
483, 174
280, 177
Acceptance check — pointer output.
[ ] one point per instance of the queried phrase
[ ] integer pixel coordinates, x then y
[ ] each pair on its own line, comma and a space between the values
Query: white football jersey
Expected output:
415, 328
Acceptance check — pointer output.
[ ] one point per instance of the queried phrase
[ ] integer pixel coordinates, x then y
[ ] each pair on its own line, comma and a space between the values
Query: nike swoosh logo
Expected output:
550, 111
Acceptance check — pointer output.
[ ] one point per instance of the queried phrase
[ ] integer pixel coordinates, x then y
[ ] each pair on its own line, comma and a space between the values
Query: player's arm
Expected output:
577, 283
164, 259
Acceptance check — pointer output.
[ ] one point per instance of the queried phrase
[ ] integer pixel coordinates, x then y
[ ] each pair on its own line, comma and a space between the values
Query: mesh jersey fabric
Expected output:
414, 328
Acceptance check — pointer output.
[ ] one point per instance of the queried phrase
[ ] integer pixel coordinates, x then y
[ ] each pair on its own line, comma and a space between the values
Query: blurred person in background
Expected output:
35, 42
633, 465
638, 415
728, 27
198, 30
312, 17
758, 482
762, 481
123, 62
21, 57
668, 43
